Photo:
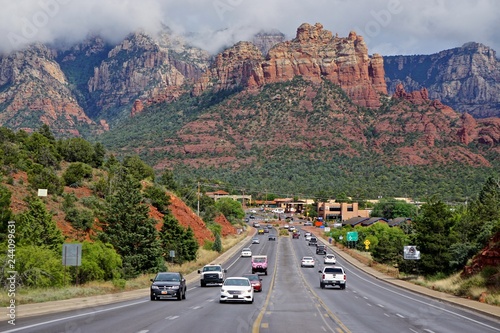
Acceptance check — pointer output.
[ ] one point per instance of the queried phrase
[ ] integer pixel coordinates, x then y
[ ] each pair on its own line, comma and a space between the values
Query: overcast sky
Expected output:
389, 26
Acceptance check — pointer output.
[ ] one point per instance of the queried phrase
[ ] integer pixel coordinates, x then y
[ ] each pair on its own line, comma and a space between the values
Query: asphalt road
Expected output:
291, 301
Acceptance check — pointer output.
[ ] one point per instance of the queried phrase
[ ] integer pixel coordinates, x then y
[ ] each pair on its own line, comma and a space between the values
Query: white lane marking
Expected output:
423, 302
411, 329
75, 316
380, 305
172, 317
387, 315
400, 315
143, 331
196, 307
428, 330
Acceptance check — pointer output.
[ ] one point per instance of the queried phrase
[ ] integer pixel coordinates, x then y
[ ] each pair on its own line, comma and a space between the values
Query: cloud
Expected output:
389, 26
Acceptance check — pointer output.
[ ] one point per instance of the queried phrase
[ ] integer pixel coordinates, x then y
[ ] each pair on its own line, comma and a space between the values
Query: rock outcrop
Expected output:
466, 78
315, 54
33, 86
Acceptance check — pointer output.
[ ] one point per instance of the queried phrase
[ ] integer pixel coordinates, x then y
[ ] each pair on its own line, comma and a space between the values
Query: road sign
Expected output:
72, 254
352, 236
367, 244
410, 252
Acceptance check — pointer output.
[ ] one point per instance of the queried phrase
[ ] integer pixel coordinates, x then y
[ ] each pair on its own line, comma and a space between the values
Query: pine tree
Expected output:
128, 227
36, 226
217, 246
175, 238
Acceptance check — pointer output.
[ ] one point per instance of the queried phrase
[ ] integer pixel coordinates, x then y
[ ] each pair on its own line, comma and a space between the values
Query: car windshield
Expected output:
246, 250
333, 270
236, 282
307, 258
259, 260
168, 277
212, 269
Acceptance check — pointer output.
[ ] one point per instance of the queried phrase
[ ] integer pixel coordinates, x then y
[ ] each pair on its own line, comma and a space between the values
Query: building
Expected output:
245, 199
342, 211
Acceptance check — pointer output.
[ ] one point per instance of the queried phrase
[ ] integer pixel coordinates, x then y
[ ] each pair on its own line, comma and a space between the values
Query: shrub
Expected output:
76, 172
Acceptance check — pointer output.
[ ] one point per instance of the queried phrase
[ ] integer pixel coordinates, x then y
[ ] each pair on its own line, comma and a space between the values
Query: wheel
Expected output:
342, 287
221, 301
251, 301
322, 285
184, 294
203, 284
179, 295
253, 272
153, 297
265, 272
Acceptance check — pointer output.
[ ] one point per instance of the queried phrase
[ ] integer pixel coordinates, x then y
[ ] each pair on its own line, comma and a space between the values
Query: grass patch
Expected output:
95, 288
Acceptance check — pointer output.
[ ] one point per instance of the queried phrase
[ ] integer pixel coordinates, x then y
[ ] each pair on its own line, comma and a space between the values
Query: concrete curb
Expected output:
37, 309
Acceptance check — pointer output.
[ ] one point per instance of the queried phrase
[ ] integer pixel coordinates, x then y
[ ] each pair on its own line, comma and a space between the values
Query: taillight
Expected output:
323, 276
345, 277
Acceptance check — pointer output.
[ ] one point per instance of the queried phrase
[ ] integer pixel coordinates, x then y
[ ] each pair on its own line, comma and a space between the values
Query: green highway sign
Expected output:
352, 236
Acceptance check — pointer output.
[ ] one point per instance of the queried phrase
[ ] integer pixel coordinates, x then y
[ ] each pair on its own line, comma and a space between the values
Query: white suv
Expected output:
212, 274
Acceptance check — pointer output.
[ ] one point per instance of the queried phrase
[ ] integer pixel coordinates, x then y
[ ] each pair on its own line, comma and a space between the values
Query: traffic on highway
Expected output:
266, 286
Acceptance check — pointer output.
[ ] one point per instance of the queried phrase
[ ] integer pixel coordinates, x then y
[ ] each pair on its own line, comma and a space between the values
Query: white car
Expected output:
330, 259
307, 262
236, 289
255, 240
253, 211
246, 252
308, 238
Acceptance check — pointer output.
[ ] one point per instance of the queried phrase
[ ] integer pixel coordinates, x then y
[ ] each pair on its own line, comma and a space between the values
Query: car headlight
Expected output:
154, 287
222, 290
249, 290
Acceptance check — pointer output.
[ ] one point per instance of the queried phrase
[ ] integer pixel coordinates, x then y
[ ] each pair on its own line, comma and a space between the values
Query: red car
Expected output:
255, 280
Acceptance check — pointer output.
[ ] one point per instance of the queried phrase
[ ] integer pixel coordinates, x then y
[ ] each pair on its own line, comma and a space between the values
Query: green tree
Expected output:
99, 262
158, 197
392, 208
76, 173
175, 238
167, 179
76, 150
5, 212
128, 227
98, 156
217, 246
41, 177
137, 168
36, 226
434, 237
42, 150
230, 208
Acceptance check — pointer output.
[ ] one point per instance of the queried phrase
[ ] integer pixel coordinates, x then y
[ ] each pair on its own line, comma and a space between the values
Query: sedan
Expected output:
246, 252
255, 240
255, 280
330, 259
236, 289
307, 262
168, 284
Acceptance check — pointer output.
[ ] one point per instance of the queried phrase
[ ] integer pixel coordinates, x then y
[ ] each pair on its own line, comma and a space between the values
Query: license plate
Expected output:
235, 296
164, 292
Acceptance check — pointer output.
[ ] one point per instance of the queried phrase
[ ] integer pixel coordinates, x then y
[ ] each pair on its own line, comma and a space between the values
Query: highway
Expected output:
291, 301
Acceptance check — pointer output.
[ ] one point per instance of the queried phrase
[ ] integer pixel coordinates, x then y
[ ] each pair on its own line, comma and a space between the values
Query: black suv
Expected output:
320, 249
168, 284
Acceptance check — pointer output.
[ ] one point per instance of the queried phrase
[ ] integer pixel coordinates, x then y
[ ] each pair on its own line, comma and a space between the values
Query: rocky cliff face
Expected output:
315, 54
142, 68
466, 78
34, 91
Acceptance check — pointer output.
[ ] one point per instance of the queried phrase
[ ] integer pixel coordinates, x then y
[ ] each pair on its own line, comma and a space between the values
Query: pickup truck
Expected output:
332, 276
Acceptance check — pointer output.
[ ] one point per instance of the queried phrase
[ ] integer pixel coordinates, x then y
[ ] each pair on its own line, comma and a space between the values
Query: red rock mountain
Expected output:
315, 54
